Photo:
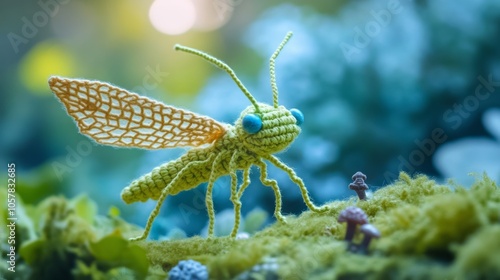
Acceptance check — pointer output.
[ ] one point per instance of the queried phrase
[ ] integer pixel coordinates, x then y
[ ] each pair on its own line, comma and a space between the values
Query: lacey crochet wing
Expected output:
114, 116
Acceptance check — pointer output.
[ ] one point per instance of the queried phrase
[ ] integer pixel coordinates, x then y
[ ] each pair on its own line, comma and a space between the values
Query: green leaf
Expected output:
85, 208
114, 251
32, 251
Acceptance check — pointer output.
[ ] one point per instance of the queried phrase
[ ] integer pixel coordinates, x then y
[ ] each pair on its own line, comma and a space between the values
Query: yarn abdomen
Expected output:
201, 160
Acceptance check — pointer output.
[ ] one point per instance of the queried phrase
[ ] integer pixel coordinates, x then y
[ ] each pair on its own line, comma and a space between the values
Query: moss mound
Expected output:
428, 230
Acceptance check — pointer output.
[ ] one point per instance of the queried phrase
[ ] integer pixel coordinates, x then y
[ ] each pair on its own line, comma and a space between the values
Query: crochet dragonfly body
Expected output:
113, 116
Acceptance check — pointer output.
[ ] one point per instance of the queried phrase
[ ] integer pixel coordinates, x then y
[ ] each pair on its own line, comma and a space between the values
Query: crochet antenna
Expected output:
231, 73
271, 68
222, 66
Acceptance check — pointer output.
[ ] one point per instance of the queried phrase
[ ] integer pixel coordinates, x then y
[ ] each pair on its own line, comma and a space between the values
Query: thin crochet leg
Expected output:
273, 184
297, 180
162, 197
246, 182
234, 194
237, 205
208, 198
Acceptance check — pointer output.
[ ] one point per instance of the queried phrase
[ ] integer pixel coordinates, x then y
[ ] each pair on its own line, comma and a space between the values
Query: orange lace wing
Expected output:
114, 116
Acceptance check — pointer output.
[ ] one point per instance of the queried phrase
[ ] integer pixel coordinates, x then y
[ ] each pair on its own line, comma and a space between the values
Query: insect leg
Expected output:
235, 199
162, 197
246, 182
208, 198
297, 180
237, 204
273, 184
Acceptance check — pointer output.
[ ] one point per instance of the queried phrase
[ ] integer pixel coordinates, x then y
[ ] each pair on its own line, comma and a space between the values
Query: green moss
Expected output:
428, 230
479, 257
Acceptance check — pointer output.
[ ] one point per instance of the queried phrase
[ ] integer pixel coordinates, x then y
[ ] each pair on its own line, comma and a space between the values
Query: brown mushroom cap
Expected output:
370, 230
354, 215
358, 175
358, 183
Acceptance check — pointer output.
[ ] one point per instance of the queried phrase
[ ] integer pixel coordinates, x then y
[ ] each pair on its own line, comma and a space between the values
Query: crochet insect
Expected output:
113, 116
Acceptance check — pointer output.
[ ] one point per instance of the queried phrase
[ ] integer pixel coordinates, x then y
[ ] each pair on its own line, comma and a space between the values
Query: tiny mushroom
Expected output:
369, 232
353, 216
358, 185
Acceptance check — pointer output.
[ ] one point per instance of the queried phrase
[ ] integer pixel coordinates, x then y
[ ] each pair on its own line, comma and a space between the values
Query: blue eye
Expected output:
252, 123
298, 116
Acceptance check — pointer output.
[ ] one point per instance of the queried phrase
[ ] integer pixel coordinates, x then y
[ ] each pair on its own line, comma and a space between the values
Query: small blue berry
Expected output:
298, 116
252, 123
188, 270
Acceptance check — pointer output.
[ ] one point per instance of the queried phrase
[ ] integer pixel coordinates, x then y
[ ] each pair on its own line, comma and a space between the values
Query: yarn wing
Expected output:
114, 116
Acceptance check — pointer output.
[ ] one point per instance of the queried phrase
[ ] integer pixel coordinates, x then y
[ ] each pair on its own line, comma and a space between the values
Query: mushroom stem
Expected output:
349, 234
361, 194
369, 232
365, 243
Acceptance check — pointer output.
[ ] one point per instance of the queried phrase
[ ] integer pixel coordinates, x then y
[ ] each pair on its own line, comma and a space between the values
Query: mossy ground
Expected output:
428, 231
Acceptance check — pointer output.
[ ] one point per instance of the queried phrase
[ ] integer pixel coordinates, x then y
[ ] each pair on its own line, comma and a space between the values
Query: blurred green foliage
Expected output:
66, 239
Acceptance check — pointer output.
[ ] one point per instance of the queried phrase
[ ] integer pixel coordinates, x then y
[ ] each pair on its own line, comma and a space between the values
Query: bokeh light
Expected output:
172, 17
44, 60
212, 14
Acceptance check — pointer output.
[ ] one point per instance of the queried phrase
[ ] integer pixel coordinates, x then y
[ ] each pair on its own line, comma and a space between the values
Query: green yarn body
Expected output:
278, 132
237, 149
200, 162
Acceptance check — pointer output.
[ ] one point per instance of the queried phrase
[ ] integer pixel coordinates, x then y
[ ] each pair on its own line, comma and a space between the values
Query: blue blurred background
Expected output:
384, 86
